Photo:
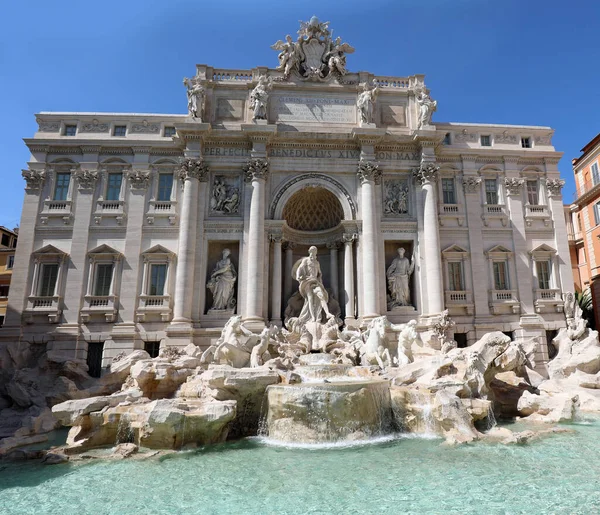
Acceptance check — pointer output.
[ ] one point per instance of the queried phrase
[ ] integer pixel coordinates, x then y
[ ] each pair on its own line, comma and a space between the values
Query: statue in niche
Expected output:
222, 284
427, 107
224, 198
396, 198
398, 277
259, 98
366, 102
195, 96
307, 271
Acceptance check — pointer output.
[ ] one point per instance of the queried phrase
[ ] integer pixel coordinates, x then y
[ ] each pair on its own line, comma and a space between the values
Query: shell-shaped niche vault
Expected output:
313, 209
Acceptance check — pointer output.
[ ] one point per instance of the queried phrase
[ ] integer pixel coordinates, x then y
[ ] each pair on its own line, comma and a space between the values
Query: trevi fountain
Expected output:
318, 410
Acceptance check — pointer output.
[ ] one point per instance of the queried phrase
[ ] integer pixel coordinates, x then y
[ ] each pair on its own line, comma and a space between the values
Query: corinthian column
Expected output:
276, 281
193, 172
348, 239
426, 176
369, 175
289, 263
333, 267
256, 172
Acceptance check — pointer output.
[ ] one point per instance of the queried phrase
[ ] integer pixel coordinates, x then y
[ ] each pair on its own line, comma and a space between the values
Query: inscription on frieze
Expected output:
298, 108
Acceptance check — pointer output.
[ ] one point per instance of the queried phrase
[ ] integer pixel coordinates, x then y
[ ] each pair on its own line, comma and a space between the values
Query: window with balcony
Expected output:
455, 276
113, 187
46, 284
501, 275
61, 187
165, 187
458, 295
543, 274
491, 191
547, 295
155, 299
533, 197
102, 299
448, 191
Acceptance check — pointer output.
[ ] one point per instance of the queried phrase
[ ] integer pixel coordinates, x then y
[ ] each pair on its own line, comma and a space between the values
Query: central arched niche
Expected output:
313, 209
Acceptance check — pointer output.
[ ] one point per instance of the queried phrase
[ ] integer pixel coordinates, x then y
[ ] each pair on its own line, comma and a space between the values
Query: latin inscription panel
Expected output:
303, 108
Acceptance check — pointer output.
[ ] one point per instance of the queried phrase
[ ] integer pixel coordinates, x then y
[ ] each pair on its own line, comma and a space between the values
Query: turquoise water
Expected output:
560, 474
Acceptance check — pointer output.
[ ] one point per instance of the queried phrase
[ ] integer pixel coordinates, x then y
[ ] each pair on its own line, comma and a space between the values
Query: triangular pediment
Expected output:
499, 249
543, 248
49, 250
105, 249
158, 249
455, 249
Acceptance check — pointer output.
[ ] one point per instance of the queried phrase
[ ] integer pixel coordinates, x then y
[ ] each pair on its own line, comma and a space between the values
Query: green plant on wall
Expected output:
584, 300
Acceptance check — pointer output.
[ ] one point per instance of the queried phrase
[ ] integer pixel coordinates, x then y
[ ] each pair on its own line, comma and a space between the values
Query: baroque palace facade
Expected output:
140, 230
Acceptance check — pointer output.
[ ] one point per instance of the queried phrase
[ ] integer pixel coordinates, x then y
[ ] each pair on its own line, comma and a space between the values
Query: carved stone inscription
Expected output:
314, 109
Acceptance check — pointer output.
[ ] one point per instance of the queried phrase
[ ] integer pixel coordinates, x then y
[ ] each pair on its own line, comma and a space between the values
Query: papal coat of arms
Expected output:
314, 55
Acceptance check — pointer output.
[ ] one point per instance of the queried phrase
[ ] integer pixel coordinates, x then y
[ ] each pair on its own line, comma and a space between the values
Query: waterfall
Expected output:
125, 433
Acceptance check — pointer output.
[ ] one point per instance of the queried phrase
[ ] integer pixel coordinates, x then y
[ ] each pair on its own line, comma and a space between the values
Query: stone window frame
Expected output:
163, 208
66, 126
550, 297
164, 133
493, 211
58, 208
156, 306
490, 137
540, 210
463, 298
526, 138
102, 305
115, 126
509, 297
111, 208
51, 306
451, 211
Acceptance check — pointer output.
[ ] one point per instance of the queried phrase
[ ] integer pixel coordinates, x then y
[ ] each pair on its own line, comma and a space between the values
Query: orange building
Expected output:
8, 243
584, 226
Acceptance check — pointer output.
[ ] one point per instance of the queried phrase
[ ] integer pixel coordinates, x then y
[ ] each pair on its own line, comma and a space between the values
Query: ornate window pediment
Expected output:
105, 250
499, 251
454, 251
49, 251
155, 300
542, 252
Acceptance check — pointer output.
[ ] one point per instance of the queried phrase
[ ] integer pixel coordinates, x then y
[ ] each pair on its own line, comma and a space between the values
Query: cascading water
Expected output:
125, 433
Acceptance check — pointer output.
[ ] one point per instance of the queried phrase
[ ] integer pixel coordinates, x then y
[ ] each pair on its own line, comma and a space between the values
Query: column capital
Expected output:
34, 178
554, 187
333, 245
349, 238
368, 171
289, 245
139, 179
86, 178
471, 184
426, 173
513, 185
256, 168
276, 238
192, 168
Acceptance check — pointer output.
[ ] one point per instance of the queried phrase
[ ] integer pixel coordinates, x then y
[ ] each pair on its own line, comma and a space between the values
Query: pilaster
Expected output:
514, 192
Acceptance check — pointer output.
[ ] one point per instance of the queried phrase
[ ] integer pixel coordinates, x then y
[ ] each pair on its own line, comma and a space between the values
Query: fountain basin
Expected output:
328, 412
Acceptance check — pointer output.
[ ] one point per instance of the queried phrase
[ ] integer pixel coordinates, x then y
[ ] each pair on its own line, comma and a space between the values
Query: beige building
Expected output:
127, 217
8, 243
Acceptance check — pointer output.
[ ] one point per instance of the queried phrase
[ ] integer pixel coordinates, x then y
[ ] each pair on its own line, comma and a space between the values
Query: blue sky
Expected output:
532, 62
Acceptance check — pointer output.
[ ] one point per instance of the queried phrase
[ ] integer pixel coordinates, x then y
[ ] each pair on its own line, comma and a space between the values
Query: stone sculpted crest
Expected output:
315, 55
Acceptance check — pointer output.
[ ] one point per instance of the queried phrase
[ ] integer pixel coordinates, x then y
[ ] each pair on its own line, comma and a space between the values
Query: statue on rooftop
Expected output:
427, 107
366, 102
259, 98
195, 96
289, 55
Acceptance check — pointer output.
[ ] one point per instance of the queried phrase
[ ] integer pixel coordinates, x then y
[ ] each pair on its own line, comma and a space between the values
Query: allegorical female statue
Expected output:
195, 96
222, 283
398, 276
366, 103
259, 98
427, 107
307, 272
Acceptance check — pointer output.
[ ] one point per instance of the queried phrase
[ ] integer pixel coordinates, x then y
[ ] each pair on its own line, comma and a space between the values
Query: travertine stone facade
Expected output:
126, 215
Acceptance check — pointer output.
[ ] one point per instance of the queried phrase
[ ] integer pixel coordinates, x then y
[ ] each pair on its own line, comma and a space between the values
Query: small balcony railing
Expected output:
458, 297
494, 209
154, 301
548, 295
503, 296
449, 209
536, 211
